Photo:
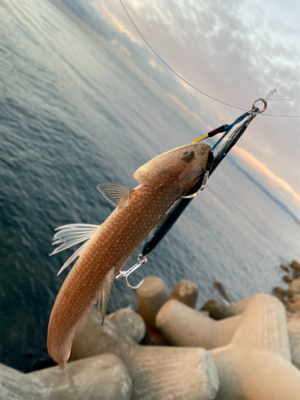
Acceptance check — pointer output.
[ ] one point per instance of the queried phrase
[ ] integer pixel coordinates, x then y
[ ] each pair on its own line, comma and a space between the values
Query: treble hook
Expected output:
124, 274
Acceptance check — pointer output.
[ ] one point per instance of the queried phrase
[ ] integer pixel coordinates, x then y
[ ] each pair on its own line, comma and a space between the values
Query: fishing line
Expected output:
276, 89
194, 87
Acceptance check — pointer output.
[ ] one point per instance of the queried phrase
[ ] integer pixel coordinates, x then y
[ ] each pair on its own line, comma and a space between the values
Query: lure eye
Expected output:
188, 156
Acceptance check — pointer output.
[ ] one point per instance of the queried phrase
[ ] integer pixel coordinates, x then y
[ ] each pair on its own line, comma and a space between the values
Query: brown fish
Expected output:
164, 179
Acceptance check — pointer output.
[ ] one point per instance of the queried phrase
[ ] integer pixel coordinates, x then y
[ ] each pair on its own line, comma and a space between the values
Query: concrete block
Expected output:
293, 327
129, 323
256, 365
280, 293
103, 377
92, 338
168, 373
184, 326
186, 292
263, 326
240, 305
218, 310
296, 274
294, 287
154, 337
285, 267
287, 278
295, 265
294, 306
157, 372
295, 298
15, 385
257, 375
151, 295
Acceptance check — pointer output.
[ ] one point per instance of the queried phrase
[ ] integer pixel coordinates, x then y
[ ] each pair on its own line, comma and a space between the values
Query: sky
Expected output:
236, 51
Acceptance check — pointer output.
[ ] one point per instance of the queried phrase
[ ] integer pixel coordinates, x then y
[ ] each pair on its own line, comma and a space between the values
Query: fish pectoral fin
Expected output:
117, 195
102, 295
70, 235
73, 257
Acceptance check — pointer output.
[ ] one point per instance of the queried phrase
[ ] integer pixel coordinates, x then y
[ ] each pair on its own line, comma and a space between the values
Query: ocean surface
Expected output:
72, 115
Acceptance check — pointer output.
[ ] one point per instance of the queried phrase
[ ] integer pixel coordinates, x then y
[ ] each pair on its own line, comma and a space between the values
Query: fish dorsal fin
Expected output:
117, 195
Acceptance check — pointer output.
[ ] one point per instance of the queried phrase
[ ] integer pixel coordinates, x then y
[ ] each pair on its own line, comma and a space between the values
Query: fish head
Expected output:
182, 165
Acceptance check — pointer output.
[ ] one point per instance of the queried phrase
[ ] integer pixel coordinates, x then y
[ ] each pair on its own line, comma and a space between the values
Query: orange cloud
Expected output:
260, 167
126, 50
114, 42
112, 19
187, 110
155, 65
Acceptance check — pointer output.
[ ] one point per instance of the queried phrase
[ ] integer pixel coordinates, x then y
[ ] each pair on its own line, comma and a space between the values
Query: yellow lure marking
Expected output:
200, 139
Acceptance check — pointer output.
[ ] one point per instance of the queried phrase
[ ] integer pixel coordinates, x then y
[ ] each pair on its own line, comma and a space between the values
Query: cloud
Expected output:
126, 50
230, 50
236, 51
108, 11
114, 42
154, 64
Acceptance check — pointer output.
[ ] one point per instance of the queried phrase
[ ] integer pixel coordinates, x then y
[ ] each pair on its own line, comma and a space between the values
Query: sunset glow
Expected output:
261, 168
187, 110
116, 23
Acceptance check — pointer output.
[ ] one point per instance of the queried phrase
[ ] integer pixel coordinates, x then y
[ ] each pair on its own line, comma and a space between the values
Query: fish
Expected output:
107, 247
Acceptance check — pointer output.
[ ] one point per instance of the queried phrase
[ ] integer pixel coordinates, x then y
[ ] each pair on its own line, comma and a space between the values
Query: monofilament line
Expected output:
276, 89
191, 85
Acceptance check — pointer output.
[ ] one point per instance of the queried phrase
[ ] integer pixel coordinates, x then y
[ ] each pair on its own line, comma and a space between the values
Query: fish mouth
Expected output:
141, 186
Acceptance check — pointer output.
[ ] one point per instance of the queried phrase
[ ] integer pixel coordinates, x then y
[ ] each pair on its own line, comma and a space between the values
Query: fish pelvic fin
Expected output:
102, 295
117, 195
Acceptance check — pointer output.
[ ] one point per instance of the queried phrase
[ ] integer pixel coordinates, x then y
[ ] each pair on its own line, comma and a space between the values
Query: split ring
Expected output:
265, 105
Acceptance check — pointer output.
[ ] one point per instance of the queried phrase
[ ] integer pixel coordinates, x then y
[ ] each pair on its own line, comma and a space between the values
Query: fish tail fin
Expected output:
60, 335
103, 293
70, 381
59, 348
